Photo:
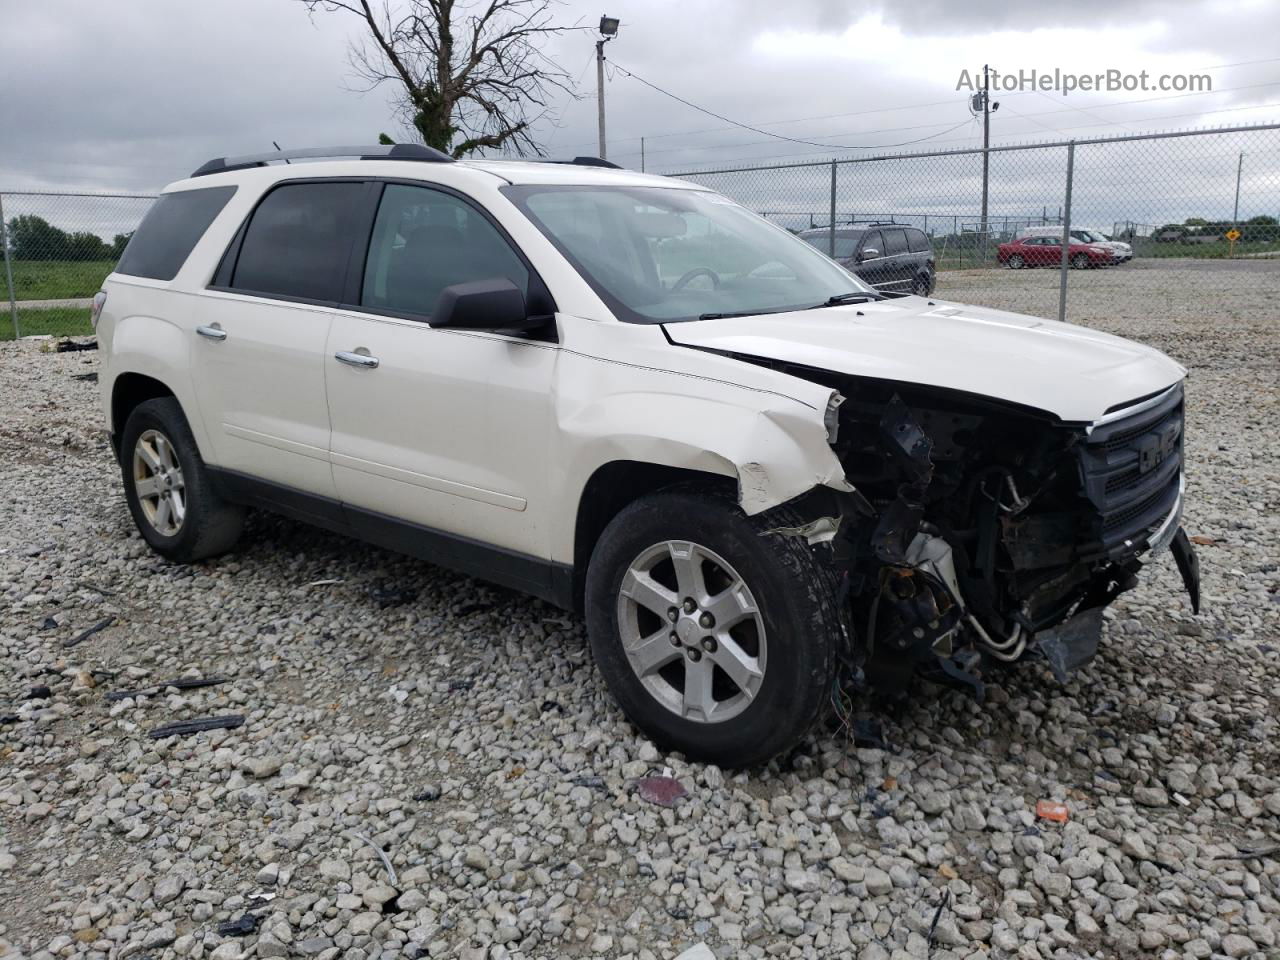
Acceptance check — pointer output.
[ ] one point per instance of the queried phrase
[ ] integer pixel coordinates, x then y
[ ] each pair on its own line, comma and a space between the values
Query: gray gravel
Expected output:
465, 736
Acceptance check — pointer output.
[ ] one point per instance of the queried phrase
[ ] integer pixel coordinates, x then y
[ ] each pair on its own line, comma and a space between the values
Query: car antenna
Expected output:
277, 146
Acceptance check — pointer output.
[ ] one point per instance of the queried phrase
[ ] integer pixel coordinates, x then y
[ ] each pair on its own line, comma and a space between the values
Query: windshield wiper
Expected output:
853, 296
744, 313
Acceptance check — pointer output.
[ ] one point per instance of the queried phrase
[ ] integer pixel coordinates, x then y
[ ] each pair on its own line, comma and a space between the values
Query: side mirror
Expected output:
495, 304
868, 253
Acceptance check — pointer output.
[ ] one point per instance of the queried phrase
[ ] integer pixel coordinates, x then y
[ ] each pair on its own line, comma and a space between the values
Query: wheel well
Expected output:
131, 389
615, 485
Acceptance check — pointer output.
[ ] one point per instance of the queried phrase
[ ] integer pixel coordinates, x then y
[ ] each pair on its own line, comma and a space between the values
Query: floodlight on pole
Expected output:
608, 30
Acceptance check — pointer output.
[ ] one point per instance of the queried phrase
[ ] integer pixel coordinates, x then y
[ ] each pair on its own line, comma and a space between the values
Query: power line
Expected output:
778, 136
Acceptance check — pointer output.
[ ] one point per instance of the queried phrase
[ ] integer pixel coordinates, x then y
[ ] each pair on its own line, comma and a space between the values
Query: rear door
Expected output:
259, 355
898, 269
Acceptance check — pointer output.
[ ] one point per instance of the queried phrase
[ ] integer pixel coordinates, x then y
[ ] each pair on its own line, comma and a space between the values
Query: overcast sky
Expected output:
131, 95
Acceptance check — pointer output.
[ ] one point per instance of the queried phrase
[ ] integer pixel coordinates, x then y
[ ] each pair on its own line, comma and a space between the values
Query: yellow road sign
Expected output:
1232, 235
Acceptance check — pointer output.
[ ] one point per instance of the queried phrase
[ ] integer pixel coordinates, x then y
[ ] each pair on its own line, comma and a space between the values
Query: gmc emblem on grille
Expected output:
1155, 448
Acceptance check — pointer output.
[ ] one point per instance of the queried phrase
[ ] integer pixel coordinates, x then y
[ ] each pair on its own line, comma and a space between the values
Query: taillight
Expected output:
95, 308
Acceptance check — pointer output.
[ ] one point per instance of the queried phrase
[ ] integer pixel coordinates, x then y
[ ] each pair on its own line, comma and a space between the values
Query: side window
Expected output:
871, 242
170, 230
298, 240
895, 242
425, 240
917, 241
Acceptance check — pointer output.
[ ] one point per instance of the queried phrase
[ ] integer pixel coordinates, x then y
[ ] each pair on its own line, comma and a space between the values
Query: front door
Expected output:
448, 429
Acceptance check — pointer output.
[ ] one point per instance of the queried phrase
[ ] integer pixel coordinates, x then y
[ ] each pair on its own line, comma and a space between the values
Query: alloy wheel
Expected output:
692, 631
158, 483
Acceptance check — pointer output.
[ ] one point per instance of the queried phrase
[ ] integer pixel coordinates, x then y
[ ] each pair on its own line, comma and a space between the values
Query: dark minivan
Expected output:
891, 257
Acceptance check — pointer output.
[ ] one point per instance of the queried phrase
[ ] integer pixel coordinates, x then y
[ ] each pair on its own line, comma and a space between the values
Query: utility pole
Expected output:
986, 143
608, 30
642, 154
1235, 214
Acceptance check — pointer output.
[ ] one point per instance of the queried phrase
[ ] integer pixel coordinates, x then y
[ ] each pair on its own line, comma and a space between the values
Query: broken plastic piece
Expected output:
39, 693
86, 634
386, 861
1052, 810
1072, 644
456, 685
664, 791
72, 346
242, 926
228, 722
822, 530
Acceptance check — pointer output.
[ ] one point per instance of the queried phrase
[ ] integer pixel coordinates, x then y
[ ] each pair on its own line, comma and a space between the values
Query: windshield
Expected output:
664, 254
1093, 236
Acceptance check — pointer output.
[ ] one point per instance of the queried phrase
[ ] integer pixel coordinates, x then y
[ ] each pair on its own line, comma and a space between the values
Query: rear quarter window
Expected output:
170, 230
895, 242
917, 241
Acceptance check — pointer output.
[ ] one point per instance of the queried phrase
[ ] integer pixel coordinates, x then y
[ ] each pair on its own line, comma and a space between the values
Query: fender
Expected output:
158, 349
775, 447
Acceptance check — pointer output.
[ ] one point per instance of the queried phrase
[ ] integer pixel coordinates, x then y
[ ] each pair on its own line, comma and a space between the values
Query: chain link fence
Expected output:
1199, 211
58, 248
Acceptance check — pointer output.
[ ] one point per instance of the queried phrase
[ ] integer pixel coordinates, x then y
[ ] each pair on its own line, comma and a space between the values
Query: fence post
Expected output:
8, 271
1066, 234
831, 231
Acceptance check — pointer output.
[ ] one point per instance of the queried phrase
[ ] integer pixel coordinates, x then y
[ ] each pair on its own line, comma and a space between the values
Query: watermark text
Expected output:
1065, 82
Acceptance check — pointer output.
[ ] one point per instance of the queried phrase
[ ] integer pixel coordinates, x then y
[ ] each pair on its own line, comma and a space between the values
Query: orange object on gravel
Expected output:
1052, 810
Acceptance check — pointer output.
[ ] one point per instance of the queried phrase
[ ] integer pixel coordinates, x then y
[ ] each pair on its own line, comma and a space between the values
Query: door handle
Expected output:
356, 359
214, 332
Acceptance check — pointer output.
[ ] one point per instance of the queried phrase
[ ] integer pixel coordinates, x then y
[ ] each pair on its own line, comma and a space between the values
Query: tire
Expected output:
921, 285
1080, 261
787, 627
1016, 262
158, 453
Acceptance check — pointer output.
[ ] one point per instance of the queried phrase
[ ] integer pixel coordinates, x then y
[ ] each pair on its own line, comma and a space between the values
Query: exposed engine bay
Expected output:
979, 531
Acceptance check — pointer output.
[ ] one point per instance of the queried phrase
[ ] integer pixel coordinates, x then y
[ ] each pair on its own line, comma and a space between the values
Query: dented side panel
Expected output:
623, 393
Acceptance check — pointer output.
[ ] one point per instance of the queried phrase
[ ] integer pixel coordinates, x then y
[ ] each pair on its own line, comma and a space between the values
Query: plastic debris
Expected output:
71, 346
49, 624
391, 596
594, 782
324, 583
1201, 540
1052, 810
181, 683
937, 915
84, 635
386, 861
228, 722
242, 926
1180, 799
428, 793
662, 790
465, 684
39, 693
86, 377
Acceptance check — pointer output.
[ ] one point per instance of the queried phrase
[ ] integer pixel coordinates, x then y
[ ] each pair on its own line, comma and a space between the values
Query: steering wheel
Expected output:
694, 274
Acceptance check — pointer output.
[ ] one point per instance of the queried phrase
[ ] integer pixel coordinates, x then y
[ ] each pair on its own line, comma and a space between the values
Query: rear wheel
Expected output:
717, 637
168, 488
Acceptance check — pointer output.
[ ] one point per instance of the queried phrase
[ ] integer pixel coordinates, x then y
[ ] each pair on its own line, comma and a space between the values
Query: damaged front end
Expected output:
980, 531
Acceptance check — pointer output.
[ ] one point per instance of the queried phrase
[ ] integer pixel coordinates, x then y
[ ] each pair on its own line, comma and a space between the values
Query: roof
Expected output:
531, 171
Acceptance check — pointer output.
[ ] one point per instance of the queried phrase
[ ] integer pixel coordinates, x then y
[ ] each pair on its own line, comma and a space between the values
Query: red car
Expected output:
1047, 251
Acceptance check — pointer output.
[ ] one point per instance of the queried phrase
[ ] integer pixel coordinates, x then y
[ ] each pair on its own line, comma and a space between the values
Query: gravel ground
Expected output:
464, 734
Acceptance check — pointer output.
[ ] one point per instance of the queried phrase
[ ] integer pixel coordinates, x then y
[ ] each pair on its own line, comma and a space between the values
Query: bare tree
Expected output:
473, 74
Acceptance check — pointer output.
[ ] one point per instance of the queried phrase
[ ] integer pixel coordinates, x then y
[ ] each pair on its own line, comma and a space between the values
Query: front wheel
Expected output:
922, 285
1080, 261
1016, 262
168, 488
717, 637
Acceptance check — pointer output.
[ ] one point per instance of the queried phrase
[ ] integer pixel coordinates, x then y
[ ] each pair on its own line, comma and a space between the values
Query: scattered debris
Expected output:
8, 718
550, 705
385, 595
1180, 799
84, 635
1052, 810
595, 783
86, 377
49, 624
662, 790
182, 727
1251, 853
39, 693
1203, 541
386, 861
243, 926
516, 771
947, 872
427, 794
890, 783
73, 346
456, 685
937, 915
867, 732
324, 583
96, 589
181, 683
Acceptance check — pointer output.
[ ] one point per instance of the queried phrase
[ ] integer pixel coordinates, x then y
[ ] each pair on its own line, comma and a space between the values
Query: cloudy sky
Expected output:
131, 95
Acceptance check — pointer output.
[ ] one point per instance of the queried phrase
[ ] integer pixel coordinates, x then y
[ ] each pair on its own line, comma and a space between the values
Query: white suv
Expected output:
762, 482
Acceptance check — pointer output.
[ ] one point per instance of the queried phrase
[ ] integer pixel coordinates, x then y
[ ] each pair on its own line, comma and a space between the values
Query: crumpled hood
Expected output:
1072, 372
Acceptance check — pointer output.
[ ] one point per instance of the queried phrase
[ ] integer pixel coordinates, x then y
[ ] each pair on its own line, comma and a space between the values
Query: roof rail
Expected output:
396, 151
589, 162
